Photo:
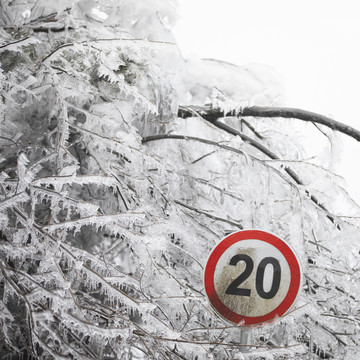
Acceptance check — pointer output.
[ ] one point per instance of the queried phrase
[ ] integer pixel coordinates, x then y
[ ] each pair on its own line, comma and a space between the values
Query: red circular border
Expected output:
290, 257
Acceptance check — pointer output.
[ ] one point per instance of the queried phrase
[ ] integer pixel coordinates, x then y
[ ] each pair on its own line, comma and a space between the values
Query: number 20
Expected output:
233, 288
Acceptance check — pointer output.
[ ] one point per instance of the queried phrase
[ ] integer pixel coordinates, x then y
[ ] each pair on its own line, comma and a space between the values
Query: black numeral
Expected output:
233, 288
260, 278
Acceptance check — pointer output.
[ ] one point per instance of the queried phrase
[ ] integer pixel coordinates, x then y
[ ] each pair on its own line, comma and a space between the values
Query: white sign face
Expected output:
252, 277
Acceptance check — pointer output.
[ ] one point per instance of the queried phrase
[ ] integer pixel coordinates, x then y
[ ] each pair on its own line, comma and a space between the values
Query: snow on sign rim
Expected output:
244, 247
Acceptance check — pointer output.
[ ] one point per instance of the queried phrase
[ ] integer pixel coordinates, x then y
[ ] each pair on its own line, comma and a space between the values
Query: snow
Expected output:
99, 15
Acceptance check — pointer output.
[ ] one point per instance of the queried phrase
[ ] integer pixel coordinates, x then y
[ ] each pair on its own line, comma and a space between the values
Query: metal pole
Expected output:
244, 340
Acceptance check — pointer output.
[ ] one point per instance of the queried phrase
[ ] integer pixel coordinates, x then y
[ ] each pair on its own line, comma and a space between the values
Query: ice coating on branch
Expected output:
224, 104
24, 175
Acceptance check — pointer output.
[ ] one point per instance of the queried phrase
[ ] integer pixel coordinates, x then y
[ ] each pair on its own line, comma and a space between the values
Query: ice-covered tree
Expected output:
122, 165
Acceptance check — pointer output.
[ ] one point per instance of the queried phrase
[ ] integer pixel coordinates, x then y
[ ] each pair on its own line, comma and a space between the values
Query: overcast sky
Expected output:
313, 44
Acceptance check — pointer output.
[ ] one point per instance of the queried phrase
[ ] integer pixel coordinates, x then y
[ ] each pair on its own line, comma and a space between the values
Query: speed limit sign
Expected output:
252, 277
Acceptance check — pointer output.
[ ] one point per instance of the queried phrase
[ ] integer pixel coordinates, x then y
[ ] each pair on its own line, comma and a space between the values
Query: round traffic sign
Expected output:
252, 277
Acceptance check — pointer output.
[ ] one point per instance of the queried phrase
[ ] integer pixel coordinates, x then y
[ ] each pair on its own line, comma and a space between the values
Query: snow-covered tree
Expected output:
122, 165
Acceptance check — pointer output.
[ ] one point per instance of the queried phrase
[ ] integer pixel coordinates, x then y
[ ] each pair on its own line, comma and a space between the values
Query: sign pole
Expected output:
244, 340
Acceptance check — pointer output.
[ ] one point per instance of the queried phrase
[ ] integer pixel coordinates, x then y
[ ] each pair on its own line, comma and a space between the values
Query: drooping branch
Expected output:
293, 113
209, 142
14, 42
184, 113
229, 129
185, 137
211, 114
216, 218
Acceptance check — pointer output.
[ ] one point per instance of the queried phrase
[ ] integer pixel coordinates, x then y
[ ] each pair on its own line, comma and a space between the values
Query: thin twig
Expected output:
203, 157
14, 42
216, 218
212, 343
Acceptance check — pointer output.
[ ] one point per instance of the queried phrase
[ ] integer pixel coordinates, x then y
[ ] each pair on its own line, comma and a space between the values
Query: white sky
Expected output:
313, 44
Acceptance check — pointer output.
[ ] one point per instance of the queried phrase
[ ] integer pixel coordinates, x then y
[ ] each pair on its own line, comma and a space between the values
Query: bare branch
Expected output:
208, 215
210, 114
14, 42
293, 113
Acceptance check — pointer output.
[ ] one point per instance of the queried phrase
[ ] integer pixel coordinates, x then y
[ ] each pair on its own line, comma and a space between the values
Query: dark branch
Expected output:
14, 42
210, 114
257, 145
292, 113
37, 29
52, 29
243, 121
216, 218
184, 137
